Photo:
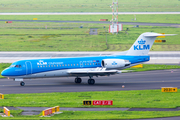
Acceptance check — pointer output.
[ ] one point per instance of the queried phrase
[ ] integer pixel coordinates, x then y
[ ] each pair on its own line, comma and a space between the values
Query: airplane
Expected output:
83, 66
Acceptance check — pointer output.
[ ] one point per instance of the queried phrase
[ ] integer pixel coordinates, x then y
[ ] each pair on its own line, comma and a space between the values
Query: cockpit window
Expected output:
12, 66
17, 66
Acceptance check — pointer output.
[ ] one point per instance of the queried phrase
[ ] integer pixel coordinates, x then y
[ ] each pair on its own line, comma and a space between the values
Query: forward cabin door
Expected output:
28, 68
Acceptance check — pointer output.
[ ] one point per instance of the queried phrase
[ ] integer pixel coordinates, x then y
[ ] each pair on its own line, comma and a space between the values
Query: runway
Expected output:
131, 81
102, 22
167, 57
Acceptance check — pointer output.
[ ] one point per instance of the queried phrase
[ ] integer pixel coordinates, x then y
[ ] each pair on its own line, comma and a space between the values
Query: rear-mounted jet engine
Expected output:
114, 63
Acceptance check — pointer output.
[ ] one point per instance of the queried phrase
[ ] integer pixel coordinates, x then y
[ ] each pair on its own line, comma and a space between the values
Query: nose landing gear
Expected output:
22, 83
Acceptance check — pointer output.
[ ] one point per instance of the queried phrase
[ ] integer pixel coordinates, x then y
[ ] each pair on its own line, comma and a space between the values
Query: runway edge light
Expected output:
35, 19
169, 89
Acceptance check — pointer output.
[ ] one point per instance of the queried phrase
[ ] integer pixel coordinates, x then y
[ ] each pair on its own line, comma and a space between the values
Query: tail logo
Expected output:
142, 45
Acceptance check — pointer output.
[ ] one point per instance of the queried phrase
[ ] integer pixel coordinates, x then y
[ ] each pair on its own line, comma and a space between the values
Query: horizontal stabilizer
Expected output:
157, 34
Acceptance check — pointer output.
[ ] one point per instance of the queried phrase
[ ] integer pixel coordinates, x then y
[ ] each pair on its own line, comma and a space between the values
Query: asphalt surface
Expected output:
102, 22
131, 81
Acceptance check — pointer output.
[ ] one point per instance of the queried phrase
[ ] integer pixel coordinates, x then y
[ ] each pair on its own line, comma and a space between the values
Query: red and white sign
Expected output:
102, 102
47, 112
116, 28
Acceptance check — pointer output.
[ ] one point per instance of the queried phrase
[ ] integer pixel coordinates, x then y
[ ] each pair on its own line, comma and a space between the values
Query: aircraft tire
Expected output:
22, 83
79, 80
75, 80
91, 81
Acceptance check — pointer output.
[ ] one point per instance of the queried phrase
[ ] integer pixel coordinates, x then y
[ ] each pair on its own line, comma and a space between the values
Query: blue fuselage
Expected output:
26, 67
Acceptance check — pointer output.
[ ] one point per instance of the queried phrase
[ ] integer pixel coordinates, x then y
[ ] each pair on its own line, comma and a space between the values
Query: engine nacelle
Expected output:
114, 63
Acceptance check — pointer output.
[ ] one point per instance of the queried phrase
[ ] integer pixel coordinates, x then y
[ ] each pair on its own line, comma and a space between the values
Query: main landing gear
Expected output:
90, 81
22, 83
78, 80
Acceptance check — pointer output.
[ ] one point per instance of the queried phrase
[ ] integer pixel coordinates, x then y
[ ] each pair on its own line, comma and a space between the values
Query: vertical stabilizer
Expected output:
144, 43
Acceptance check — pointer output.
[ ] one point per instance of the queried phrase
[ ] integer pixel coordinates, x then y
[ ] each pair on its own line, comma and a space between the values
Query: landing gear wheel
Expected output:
75, 80
78, 80
91, 81
22, 83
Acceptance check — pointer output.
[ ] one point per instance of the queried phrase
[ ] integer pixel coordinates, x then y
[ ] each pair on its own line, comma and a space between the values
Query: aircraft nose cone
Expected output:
4, 73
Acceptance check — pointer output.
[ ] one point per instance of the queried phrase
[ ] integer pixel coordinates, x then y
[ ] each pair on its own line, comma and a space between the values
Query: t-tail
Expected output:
144, 43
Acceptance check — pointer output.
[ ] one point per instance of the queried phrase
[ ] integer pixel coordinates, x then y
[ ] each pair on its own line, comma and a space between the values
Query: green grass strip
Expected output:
88, 6
121, 99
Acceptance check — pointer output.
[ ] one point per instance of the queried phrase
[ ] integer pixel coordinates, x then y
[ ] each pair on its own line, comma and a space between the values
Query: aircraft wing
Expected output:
101, 72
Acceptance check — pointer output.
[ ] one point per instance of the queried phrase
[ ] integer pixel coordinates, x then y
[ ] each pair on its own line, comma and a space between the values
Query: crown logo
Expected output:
142, 41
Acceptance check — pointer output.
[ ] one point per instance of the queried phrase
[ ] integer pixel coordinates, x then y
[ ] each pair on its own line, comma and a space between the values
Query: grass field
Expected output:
121, 18
87, 5
69, 37
124, 99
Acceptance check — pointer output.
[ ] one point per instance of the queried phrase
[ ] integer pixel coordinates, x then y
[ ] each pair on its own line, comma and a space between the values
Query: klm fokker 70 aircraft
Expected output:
83, 66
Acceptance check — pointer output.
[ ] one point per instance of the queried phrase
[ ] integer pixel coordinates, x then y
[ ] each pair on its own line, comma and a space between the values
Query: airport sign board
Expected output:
98, 102
169, 89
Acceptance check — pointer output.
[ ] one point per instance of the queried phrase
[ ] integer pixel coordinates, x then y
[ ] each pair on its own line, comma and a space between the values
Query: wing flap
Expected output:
87, 73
